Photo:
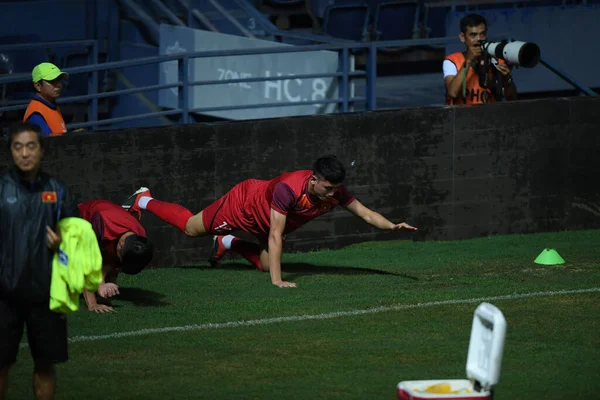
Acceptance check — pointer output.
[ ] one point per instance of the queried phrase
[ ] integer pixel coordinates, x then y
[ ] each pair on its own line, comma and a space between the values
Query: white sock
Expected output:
143, 203
227, 241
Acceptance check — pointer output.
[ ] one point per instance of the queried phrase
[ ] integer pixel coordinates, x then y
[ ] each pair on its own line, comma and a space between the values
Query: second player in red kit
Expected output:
123, 243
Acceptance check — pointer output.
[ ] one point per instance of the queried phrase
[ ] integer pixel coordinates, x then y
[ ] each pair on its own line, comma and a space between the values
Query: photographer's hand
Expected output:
504, 69
473, 53
510, 90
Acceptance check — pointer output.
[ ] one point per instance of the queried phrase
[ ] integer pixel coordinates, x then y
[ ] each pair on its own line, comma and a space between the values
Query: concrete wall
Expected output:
455, 173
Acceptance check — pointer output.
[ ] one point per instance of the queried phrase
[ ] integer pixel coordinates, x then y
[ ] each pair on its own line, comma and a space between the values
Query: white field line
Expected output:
338, 314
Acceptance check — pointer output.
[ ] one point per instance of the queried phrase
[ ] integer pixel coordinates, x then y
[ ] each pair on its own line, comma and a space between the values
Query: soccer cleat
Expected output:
132, 202
218, 251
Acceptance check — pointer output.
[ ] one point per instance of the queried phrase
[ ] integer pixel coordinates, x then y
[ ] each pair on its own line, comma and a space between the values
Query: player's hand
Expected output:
101, 308
504, 69
53, 240
283, 284
403, 225
107, 290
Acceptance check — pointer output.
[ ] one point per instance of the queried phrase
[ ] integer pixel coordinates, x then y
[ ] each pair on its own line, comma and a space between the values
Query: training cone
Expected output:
549, 257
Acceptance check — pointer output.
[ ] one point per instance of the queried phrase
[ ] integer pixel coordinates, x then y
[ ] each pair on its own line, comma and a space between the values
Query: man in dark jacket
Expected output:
31, 203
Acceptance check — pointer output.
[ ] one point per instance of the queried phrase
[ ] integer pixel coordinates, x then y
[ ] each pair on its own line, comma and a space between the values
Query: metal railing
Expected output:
344, 76
91, 45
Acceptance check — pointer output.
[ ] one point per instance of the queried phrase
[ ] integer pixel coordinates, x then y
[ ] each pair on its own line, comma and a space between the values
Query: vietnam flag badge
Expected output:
48, 197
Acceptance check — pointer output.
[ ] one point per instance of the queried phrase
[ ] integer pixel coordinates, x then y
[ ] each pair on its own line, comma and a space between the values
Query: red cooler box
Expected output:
484, 360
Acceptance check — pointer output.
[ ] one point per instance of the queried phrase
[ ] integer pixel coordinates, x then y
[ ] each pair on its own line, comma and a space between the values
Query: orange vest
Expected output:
53, 118
475, 94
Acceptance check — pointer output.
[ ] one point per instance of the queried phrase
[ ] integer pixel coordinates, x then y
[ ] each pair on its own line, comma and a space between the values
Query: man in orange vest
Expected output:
42, 110
472, 77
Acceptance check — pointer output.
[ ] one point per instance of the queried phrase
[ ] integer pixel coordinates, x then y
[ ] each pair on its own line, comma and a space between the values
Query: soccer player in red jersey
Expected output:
123, 244
253, 218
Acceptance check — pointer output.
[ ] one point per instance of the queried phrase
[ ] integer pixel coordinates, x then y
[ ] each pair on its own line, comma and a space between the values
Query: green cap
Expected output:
549, 257
46, 71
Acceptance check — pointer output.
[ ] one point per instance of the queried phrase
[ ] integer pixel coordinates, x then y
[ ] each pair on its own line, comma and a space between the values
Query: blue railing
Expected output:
91, 45
344, 76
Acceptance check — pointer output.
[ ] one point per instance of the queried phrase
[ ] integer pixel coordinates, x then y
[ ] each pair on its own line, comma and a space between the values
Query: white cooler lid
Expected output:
486, 345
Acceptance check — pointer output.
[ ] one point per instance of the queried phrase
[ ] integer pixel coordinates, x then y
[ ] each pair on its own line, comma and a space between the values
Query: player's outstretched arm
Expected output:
276, 248
375, 219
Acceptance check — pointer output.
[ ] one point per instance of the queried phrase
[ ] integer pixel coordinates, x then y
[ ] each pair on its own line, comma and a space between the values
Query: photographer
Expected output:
472, 77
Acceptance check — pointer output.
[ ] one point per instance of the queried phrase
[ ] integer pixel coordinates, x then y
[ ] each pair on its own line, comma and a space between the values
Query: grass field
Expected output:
233, 335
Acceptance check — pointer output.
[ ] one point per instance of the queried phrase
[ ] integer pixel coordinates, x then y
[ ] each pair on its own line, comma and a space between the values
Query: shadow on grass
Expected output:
304, 269
141, 297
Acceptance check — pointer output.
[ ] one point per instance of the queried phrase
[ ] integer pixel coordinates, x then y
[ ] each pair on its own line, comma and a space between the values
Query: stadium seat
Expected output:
350, 22
282, 10
396, 20
495, 6
545, 3
317, 7
285, 2
316, 11
435, 19
77, 83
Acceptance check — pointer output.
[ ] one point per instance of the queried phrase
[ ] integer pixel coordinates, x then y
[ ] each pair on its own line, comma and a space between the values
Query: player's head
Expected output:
328, 175
135, 253
26, 143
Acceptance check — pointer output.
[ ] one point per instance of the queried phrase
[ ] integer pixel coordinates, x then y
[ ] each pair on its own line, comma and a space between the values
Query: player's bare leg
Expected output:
195, 226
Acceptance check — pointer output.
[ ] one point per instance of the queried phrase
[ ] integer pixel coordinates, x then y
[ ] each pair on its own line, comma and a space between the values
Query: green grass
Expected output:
552, 348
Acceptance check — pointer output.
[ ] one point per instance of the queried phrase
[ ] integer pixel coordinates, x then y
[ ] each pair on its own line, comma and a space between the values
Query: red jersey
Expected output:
247, 206
109, 221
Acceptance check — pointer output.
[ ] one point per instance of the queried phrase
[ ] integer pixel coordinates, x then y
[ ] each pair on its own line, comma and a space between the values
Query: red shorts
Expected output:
209, 216
227, 216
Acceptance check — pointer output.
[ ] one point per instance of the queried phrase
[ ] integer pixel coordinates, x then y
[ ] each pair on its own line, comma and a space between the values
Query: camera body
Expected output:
522, 54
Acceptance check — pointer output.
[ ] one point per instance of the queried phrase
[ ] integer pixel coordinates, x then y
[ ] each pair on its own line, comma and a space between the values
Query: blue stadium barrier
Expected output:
183, 112
17, 60
86, 73
23, 60
344, 100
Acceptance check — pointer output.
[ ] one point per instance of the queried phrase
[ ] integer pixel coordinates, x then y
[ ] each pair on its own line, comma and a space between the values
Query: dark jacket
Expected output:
26, 208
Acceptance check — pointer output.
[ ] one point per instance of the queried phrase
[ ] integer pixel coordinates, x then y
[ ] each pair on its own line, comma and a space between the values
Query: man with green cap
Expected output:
43, 110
